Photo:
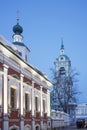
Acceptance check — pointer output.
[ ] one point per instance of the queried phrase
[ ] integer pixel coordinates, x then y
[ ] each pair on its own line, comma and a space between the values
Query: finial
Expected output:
62, 46
17, 16
62, 40
17, 29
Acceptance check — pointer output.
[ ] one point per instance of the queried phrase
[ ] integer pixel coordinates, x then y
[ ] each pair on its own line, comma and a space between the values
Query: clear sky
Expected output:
44, 22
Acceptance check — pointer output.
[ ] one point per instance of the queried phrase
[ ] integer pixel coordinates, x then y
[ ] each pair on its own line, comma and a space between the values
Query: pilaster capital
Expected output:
21, 75
5, 66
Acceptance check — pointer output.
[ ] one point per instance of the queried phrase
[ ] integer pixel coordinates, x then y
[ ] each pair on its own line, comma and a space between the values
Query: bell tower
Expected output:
62, 63
23, 50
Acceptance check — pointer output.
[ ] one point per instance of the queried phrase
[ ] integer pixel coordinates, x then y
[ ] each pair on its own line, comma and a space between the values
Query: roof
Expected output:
66, 57
63, 56
20, 44
38, 71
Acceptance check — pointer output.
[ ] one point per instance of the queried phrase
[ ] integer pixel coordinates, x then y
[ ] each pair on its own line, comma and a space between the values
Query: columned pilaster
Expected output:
48, 108
17, 97
48, 103
9, 93
5, 97
41, 108
30, 100
33, 107
21, 102
33, 123
41, 124
33, 101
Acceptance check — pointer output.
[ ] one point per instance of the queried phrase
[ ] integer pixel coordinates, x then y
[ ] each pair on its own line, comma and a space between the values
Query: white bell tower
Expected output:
62, 63
23, 50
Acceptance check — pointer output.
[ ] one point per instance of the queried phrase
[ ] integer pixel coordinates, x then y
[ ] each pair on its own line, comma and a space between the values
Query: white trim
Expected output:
5, 88
14, 127
21, 93
27, 126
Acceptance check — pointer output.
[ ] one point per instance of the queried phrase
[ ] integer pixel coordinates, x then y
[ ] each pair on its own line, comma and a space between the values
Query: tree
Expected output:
64, 91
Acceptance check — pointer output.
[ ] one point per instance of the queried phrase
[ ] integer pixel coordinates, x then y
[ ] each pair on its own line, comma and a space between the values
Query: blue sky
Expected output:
44, 23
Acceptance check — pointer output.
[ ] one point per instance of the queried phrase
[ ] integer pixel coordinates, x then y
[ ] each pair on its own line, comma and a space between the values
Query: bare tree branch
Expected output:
65, 90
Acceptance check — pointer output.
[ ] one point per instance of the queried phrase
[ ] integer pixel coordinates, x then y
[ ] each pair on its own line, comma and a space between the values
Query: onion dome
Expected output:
17, 29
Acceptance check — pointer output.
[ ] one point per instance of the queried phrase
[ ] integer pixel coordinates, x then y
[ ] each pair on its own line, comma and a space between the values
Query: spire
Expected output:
62, 47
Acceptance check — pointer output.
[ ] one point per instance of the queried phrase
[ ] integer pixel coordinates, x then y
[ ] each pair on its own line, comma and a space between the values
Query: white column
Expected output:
5, 97
48, 108
30, 100
17, 97
9, 99
21, 102
41, 110
48, 103
21, 94
33, 106
33, 101
33, 124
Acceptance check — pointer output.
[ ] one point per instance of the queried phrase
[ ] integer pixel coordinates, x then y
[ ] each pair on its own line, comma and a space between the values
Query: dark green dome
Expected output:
17, 29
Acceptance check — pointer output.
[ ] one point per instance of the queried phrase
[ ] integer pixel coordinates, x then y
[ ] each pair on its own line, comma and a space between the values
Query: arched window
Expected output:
62, 71
37, 127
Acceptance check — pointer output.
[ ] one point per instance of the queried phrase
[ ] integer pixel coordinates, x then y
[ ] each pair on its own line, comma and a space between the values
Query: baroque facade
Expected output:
24, 90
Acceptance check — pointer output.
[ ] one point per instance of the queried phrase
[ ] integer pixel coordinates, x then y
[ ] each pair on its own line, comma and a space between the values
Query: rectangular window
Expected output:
43, 105
13, 97
36, 103
26, 101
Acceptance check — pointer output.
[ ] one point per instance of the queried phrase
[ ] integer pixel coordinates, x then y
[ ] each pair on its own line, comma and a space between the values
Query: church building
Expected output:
24, 90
